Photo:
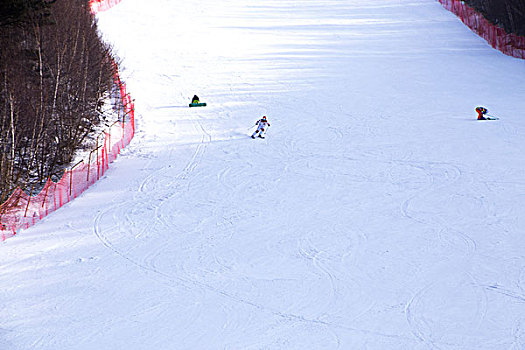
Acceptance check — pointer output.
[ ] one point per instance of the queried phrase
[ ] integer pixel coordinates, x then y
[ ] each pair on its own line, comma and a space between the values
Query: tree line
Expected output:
55, 76
508, 14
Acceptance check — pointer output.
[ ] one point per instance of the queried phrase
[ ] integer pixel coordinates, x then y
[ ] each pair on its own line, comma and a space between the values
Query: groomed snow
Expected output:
377, 213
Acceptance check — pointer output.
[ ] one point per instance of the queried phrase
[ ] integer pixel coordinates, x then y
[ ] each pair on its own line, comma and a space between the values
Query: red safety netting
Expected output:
510, 44
102, 5
22, 210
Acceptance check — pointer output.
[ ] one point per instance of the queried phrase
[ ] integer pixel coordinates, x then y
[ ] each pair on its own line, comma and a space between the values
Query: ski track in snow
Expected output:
153, 182
172, 281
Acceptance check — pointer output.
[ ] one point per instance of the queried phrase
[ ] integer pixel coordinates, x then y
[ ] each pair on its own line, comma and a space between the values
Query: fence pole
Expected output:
67, 192
109, 135
29, 200
89, 163
105, 150
2, 209
98, 163
71, 178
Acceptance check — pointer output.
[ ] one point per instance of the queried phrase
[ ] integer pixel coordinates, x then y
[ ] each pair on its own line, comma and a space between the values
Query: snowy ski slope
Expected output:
377, 214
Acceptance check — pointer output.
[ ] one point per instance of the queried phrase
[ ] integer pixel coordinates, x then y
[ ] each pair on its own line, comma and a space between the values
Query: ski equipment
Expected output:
196, 103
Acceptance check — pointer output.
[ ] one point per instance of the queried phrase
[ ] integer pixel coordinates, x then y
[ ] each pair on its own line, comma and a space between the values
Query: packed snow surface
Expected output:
376, 214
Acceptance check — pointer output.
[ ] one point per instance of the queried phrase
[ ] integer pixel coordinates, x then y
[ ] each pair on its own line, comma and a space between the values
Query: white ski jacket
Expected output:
262, 124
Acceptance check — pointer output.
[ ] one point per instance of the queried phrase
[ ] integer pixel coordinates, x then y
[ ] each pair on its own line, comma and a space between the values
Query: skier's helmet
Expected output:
264, 118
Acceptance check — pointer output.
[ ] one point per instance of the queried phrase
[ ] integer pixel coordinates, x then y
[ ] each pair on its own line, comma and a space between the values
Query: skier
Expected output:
195, 99
262, 125
481, 113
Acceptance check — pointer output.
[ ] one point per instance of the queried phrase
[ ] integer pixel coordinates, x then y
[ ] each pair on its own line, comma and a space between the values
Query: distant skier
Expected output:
262, 126
195, 99
481, 113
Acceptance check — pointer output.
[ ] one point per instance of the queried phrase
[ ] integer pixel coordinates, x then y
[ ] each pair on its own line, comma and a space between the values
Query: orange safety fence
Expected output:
102, 5
510, 44
22, 210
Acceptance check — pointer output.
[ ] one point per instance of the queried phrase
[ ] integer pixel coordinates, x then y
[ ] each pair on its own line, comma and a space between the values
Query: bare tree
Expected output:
508, 14
54, 74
